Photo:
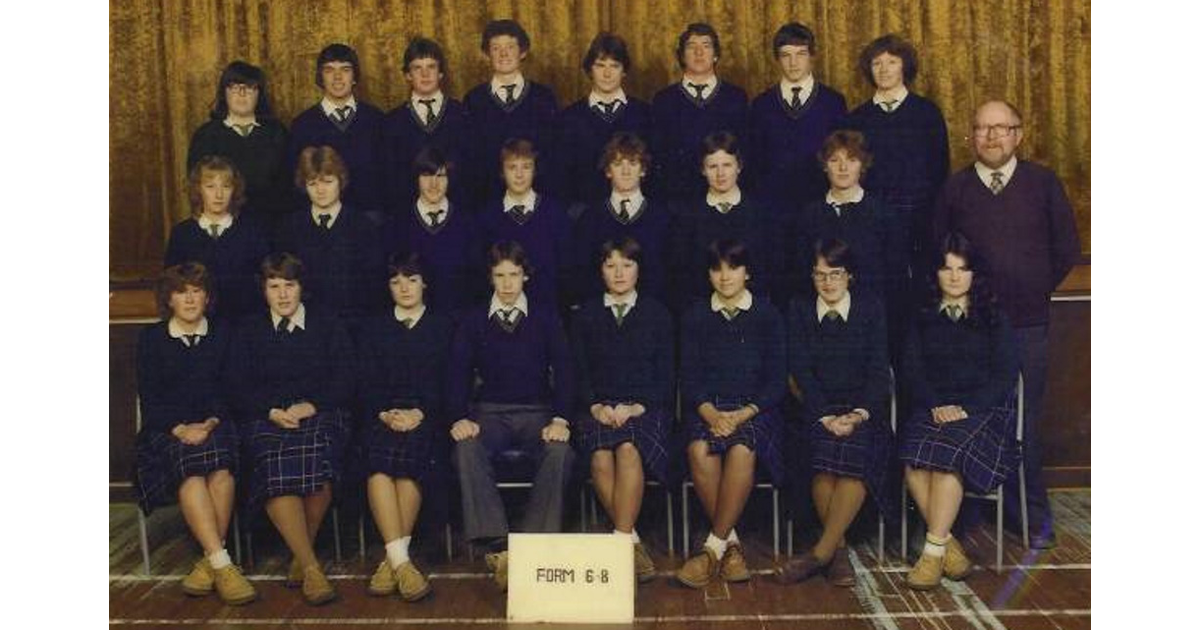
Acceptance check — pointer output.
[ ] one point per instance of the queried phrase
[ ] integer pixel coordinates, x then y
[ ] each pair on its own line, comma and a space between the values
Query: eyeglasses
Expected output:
837, 275
241, 88
1001, 131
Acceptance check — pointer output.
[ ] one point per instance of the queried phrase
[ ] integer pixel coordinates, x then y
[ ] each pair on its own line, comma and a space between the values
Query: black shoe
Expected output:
1043, 541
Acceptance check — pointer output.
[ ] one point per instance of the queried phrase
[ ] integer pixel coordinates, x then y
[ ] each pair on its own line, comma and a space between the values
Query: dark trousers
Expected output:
1034, 347
503, 427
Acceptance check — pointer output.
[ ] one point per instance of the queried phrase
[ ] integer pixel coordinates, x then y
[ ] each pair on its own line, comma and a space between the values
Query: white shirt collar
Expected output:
224, 223
229, 122
328, 107
294, 322
1006, 171
402, 314
333, 213
842, 307
529, 201
966, 308
438, 100
733, 197
502, 94
425, 209
711, 83
522, 305
744, 303
629, 301
903, 94
635, 201
805, 85
855, 197
175, 329
594, 98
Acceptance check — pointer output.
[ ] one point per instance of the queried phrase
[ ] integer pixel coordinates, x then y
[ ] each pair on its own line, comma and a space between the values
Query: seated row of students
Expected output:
285, 379
782, 128
345, 251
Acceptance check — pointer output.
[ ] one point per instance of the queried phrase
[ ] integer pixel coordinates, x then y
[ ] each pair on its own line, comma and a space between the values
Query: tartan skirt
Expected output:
400, 455
295, 461
647, 433
864, 454
163, 462
982, 450
762, 434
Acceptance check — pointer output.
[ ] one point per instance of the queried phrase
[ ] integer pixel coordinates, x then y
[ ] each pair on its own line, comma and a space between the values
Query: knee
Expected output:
698, 451
739, 454
602, 464
220, 478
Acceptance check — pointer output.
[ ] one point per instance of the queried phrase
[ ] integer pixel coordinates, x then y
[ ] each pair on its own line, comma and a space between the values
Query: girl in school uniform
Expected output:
960, 363
187, 449
402, 357
837, 355
218, 236
733, 375
243, 130
624, 358
292, 374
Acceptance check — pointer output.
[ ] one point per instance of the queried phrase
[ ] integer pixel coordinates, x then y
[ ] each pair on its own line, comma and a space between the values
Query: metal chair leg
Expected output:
999, 528
449, 544
670, 522
903, 523
237, 539
362, 537
790, 528
1024, 506
337, 536
687, 548
144, 540
882, 532
775, 518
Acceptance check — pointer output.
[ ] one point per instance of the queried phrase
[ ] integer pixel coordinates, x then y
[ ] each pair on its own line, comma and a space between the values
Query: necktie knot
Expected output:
699, 89
620, 308
192, 340
954, 312
731, 312
795, 103
890, 106
724, 206
997, 182
408, 322
214, 230
428, 103
342, 114
243, 130
435, 218
623, 213
324, 220
518, 211
832, 317
508, 93
283, 327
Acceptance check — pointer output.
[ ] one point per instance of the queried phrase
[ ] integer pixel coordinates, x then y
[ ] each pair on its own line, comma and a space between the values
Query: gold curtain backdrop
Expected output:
165, 58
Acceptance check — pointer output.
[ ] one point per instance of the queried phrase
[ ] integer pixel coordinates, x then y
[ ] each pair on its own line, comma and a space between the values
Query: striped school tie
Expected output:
832, 317
698, 89
619, 309
997, 182
282, 327
509, 99
408, 322
324, 220
796, 103
623, 213
954, 312
889, 106
435, 218
193, 340
428, 103
214, 230
724, 206
731, 313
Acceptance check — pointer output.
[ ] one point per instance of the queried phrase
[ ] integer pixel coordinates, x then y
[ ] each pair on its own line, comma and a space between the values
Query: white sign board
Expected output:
570, 578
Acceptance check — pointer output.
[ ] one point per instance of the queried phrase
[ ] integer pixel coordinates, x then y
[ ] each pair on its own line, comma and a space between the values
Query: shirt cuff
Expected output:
866, 415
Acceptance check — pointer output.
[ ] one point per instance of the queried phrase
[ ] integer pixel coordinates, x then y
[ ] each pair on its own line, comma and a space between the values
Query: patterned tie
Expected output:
342, 114
731, 312
193, 340
724, 206
509, 318
837, 207
832, 317
243, 130
428, 103
324, 219
698, 89
997, 182
214, 230
518, 212
435, 218
954, 312
607, 111
408, 322
620, 312
510, 88
890, 106
623, 213
795, 104
282, 326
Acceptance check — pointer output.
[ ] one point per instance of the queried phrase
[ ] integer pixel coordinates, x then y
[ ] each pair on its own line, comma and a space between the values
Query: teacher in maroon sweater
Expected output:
1019, 217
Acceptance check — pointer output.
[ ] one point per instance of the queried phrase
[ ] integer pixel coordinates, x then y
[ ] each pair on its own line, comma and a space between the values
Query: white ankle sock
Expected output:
397, 551
733, 537
636, 538
935, 546
716, 544
632, 536
219, 559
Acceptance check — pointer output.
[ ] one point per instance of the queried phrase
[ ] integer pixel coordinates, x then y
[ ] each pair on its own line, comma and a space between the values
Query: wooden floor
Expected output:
1034, 591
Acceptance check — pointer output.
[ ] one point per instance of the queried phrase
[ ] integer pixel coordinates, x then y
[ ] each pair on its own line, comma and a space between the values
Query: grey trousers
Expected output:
505, 427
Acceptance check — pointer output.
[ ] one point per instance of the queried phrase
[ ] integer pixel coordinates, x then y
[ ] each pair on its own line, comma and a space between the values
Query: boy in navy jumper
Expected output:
624, 212
906, 133
584, 128
518, 350
353, 127
507, 106
444, 235
534, 220
428, 118
789, 121
687, 112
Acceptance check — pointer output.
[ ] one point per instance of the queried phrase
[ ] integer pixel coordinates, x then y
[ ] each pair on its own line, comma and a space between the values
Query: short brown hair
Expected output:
281, 265
624, 144
178, 277
215, 164
510, 251
317, 161
626, 246
852, 142
891, 44
517, 148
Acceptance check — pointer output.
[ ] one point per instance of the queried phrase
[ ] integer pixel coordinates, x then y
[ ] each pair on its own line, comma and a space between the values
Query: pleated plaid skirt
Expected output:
647, 433
400, 455
163, 462
864, 454
762, 434
295, 461
982, 450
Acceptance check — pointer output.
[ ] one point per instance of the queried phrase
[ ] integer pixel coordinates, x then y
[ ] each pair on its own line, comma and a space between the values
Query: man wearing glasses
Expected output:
1018, 215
